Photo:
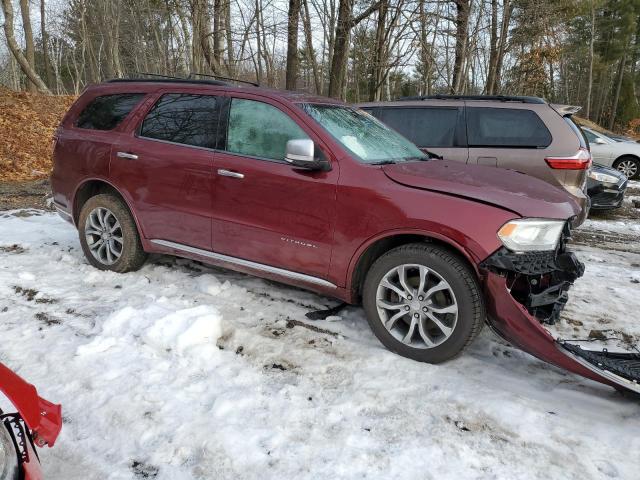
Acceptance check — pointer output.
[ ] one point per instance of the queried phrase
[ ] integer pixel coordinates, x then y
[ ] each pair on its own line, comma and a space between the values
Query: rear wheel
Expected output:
109, 236
630, 166
423, 302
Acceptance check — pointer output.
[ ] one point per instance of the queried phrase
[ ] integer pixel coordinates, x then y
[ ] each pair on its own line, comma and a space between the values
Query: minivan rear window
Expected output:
426, 127
107, 111
582, 136
506, 127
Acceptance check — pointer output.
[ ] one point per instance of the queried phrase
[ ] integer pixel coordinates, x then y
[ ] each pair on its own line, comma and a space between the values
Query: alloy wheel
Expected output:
104, 235
417, 306
628, 167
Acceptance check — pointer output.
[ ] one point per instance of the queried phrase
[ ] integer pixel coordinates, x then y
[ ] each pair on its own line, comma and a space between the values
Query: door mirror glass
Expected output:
301, 154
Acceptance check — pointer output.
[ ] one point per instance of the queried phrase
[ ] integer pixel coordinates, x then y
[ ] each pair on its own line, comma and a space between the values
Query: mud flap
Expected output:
621, 368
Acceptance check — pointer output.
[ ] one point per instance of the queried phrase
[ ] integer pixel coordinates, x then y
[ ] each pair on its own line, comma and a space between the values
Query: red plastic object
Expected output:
43, 418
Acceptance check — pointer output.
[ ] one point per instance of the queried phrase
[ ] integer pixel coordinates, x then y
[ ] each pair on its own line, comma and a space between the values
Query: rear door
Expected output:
264, 210
438, 129
166, 165
513, 137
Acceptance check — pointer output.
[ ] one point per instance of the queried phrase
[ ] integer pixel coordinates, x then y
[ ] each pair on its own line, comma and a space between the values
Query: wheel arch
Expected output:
94, 186
626, 155
377, 246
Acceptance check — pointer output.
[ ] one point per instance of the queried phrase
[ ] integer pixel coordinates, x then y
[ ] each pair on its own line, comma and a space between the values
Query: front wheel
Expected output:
630, 166
423, 302
109, 236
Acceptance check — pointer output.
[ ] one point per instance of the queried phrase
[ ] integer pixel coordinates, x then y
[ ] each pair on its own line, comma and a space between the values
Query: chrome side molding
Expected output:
246, 263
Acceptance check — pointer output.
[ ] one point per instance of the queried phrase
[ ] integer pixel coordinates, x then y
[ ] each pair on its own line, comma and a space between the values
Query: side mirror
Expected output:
300, 153
599, 141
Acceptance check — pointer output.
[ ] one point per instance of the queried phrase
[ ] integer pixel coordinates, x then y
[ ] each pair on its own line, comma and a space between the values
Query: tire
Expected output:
626, 165
460, 288
107, 214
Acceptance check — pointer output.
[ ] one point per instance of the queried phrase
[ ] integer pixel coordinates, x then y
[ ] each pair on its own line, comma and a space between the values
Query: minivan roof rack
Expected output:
220, 77
498, 98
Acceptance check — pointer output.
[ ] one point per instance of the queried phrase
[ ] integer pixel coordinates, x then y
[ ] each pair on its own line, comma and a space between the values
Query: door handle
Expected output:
128, 156
229, 173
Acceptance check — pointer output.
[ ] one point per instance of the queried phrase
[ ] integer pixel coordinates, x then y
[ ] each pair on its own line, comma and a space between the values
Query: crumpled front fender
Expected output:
43, 418
513, 322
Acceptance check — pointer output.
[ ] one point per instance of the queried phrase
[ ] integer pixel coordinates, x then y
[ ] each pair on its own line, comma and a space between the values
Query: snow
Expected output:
181, 371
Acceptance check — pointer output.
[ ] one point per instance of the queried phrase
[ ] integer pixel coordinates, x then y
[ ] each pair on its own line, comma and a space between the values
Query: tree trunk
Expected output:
229, 37
292, 44
502, 43
493, 49
344, 25
26, 67
311, 54
616, 97
30, 50
45, 45
591, 41
462, 27
379, 57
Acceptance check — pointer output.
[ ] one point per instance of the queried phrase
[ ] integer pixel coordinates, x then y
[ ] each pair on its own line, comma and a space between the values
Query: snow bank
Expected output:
180, 371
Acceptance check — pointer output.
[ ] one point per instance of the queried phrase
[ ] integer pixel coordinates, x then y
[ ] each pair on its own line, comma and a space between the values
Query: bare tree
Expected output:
25, 65
292, 44
462, 28
346, 22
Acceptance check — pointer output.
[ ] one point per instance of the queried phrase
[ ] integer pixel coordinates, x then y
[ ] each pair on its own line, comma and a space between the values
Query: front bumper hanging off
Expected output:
526, 291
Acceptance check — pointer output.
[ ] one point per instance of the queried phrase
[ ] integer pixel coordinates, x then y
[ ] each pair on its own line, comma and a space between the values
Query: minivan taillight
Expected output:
579, 161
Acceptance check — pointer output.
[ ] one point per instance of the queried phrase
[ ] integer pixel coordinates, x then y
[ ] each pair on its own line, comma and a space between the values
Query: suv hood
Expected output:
527, 196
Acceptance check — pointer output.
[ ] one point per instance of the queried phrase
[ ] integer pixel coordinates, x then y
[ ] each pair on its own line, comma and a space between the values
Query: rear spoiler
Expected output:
565, 110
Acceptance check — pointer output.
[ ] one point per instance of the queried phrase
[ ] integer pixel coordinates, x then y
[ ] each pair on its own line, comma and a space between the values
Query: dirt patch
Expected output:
621, 242
15, 248
27, 123
47, 319
33, 194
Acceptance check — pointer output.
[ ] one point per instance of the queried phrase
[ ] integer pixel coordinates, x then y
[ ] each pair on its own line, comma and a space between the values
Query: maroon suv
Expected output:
308, 191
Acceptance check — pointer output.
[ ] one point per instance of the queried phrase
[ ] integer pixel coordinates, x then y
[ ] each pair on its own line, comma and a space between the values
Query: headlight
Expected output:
531, 234
603, 177
8, 455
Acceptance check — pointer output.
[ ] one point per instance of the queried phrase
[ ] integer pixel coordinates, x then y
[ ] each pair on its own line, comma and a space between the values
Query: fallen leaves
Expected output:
27, 124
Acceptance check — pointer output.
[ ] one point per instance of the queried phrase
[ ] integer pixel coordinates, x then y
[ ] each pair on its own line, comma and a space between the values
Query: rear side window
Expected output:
506, 127
426, 127
185, 119
257, 129
106, 112
584, 136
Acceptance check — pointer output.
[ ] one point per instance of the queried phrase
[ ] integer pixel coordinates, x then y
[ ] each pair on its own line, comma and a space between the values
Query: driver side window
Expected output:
257, 129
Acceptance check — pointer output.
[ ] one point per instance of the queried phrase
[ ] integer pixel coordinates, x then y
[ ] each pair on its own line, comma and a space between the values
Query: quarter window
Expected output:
257, 129
106, 112
506, 127
186, 119
426, 127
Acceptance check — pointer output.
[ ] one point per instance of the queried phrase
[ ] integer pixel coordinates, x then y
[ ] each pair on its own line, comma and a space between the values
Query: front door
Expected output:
264, 210
166, 167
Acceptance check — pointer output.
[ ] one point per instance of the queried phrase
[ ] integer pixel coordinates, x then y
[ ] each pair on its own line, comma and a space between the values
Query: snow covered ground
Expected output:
182, 371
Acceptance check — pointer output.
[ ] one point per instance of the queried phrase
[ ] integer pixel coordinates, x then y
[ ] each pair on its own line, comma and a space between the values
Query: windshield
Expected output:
363, 136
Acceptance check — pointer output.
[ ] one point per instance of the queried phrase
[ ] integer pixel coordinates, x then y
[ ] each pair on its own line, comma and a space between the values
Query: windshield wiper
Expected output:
432, 155
384, 162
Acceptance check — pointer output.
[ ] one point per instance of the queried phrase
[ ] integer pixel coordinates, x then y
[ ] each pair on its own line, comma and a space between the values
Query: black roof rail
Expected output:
498, 98
220, 77
168, 80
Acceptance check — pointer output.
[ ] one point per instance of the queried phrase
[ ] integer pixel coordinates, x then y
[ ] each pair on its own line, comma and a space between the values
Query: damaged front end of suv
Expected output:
527, 284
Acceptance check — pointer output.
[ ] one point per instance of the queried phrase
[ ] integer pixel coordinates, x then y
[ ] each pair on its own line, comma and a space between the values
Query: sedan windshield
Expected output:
367, 139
